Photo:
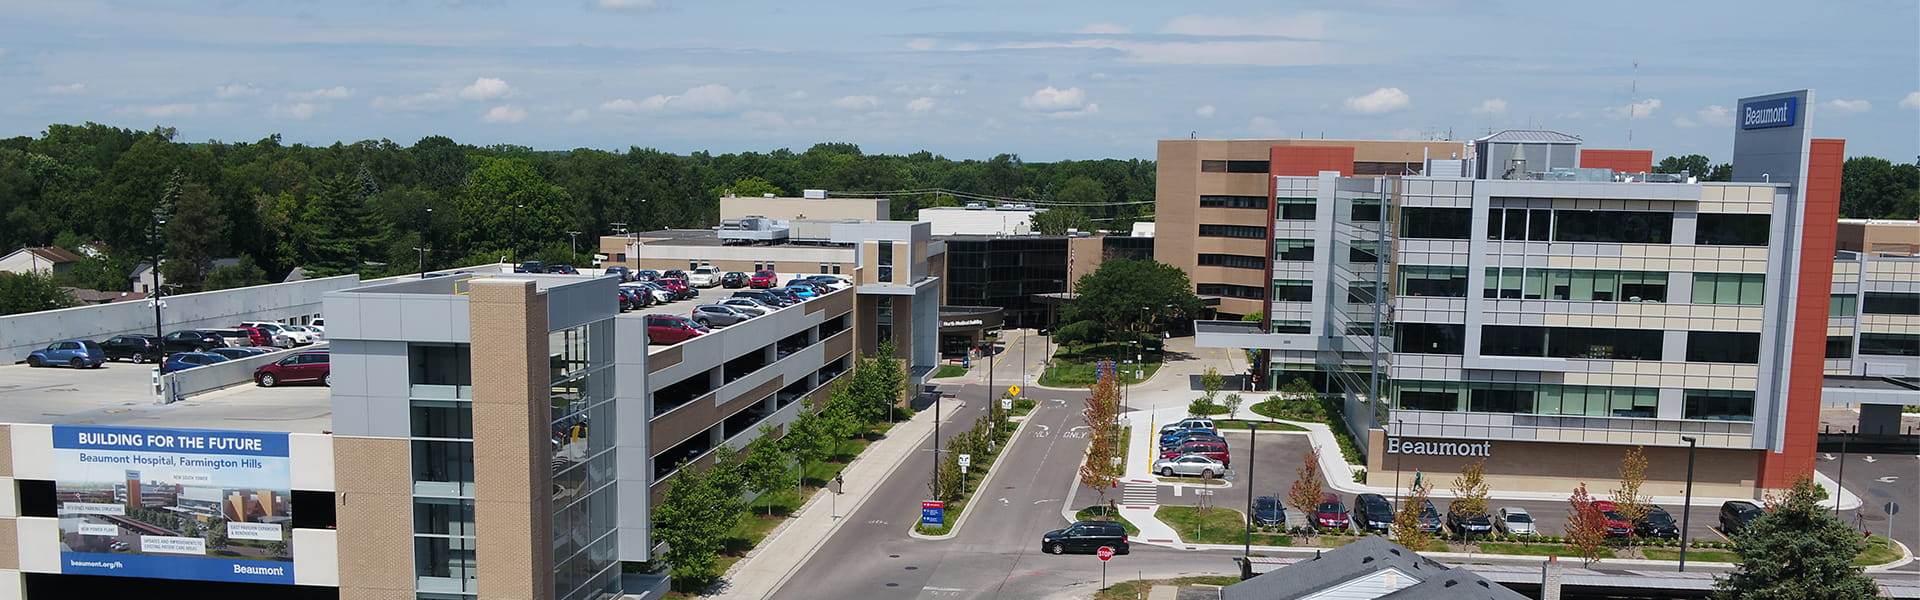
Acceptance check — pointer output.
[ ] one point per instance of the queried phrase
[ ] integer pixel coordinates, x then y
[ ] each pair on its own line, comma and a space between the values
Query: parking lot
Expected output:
707, 295
121, 393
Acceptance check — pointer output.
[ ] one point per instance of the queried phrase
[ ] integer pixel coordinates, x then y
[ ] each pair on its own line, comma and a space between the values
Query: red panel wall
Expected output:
1806, 367
1310, 160
1621, 161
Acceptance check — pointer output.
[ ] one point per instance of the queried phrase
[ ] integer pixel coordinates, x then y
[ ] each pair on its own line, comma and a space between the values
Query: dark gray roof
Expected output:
1334, 567
1534, 136
1455, 584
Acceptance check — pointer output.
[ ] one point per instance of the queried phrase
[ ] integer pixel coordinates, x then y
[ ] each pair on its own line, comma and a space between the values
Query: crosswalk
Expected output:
1140, 494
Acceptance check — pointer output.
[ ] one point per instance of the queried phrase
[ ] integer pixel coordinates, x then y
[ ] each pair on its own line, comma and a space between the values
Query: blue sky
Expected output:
1045, 80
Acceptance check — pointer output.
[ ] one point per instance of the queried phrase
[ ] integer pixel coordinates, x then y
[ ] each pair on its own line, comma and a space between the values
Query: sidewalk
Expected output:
769, 565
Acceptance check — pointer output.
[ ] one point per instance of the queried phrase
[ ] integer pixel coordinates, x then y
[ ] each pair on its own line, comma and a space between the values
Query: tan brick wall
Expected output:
374, 510
6, 451
10, 551
703, 413
512, 504
657, 361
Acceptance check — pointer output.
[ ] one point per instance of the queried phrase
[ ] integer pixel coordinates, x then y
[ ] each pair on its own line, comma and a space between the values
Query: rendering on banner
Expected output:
174, 503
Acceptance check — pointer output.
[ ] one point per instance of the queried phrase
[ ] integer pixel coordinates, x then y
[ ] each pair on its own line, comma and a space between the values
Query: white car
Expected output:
705, 277
281, 334
1514, 520
300, 337
1191, 464
314, 332
660, 295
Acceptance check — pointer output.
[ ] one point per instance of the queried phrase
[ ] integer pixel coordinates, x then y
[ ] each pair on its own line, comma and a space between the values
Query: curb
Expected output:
992, 472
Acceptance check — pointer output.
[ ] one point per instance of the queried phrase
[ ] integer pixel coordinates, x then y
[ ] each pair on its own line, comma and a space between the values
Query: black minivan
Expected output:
1086, 536
1736, 515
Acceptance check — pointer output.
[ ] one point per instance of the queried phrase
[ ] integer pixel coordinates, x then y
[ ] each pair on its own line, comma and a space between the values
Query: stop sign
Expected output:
1105, 553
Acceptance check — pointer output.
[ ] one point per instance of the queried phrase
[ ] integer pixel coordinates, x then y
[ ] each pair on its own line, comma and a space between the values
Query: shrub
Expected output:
1082, 332
1360, 476
1025, 404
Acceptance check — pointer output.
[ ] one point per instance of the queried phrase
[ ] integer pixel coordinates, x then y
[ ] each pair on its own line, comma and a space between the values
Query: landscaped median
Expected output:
955, 487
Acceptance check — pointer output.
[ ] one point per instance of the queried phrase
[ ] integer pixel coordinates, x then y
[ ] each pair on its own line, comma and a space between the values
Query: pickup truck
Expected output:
705, 277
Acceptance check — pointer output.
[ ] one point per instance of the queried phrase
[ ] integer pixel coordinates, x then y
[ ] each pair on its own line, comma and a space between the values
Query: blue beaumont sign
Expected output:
933, 512
1766, 114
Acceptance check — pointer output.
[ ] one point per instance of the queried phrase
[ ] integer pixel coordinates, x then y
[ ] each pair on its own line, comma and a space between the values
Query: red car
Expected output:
312, 365
679, 287
261, 337
1617, 524
1331, 513
1213, 450
671, 329
763, 280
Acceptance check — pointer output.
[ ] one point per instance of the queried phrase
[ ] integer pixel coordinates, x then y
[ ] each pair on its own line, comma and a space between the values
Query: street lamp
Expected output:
1253, 447
574, 241
153, 274
1686, 510
423, 261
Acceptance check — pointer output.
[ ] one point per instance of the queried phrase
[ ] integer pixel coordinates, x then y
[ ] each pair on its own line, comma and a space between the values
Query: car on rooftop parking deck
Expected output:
79, 354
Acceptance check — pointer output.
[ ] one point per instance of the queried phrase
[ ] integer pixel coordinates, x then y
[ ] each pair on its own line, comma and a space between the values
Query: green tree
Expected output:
690, 522
1470, 489
277, 548
750, 187
765, 466
1696, 164
240, 274
335, 232
1210, 383
1132, 295
1232, 404
1102, 415
1873, 188
1406, 520
1060, 219
809, 438
507, 205
1633, 474
217, 535
1797, 550
30, 292
107, 273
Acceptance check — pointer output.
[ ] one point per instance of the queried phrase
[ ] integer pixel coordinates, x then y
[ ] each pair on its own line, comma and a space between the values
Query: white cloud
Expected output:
712, 98
71, 88
1495, 107
237, 90
424, 101
1049, 99
579, 115
797, 95
338, 92
1309, 26
1912, 101
857, 102
1383, 100
1849, 106
920, 105
300, 111
923, 44
1716, 115
1204, 112
620, 105
624, 4
165, 111
505, 113
1105, 28
486, 88
1638, 110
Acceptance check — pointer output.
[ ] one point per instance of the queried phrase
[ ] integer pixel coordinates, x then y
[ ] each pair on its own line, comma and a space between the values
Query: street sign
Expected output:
966, 460
1013, 390
1892, 509
1006, 404
933, 512
1105, 553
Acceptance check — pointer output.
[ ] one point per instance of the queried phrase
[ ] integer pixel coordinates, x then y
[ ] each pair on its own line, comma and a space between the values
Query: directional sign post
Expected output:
933, 512
966, 460
1006, 404
1892, 509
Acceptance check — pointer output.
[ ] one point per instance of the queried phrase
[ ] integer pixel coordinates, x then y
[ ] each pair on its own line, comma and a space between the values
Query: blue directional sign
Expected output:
933, 513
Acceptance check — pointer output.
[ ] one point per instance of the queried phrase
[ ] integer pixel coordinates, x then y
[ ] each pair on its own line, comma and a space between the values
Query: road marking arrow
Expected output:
1888, 479
1871, 459
1827, 456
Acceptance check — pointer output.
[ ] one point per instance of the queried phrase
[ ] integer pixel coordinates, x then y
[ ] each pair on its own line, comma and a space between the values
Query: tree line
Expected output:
377, 207
1870, 187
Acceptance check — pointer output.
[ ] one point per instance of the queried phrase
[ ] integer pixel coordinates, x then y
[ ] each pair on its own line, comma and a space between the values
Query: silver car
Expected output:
718, 315
1191, 464
748, 305
1514, 520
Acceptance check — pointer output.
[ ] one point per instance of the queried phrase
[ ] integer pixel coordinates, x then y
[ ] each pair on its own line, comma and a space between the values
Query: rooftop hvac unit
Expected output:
814, 194
976, 206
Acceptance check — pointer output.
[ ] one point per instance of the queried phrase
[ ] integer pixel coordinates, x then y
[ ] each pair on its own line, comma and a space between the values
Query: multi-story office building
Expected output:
1551, 317
1007, 272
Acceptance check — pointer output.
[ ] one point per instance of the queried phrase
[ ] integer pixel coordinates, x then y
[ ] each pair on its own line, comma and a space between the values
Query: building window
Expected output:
1292, 290
1429, 338
1529, 398
1233, 260
1366, 210
1436, 223
885, 261
1516, 224
1747, 289
1363, 292
1617, 226
1254, 202
823, 268
1501, 399
1716, 229
1890, 344
1229, 291
1571, 342
1293, 250
1427, 280
1581, 285
1843, 305
1891, 303
1839, 346
1292, 327
1234, 231
836, 268
1365, 253
1233, 166
1721, 347
1294, 209
1719, 405
882, 319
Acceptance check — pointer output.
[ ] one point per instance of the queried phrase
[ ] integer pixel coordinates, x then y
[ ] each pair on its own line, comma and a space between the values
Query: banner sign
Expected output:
174, 503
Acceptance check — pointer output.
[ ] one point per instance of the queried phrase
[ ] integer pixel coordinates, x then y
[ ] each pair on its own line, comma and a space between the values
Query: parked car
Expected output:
1372, 512
1462, 521
291, 339
239, 353
1209, 449
818, 289
733, 279
748, 304
645, 275
1331, 514
1191, 464
705, 277
762, 279
764, 297
264, 338
192, 340
119, 546
236, 338
1168, 439
1086, 536
625, 274
321, 323
300, 337
680, 289
532, 266
633, 299
318, 335
657, 294
1514, 520
1199, 423
721, 315
309, 365
833, 281
1268, 512
187, 360
789, 296
137, 347
1429, 518
672, 329
1657, 523
563, 270
79, 354
804, 292
1737, 515
1618, 525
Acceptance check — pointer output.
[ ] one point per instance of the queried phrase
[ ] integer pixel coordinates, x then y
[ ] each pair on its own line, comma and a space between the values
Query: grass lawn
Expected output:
1540, 549
1099, 513
1264, 426
949, 371
1217, 526
1073, 364
1694, 554
745, 535
1133, 590
1878, 552
952, 515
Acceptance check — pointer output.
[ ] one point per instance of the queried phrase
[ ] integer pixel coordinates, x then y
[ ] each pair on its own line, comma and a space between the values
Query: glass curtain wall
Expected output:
581, 403
440, 408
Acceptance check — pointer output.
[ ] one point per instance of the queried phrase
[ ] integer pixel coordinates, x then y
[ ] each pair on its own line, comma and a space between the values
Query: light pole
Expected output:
153, 273
1398, 427
1839, 484
1686, 509
574, 244
1253, 447
423, 261
519, 219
